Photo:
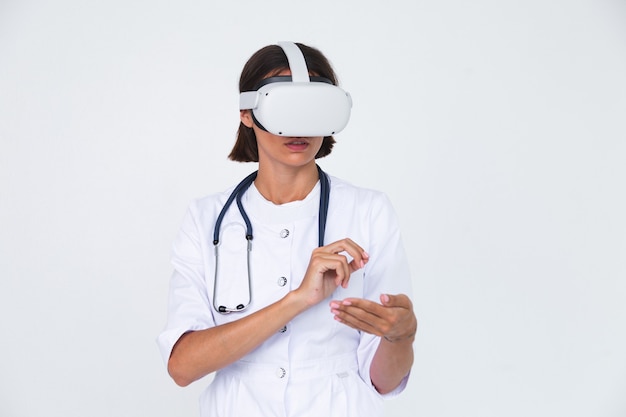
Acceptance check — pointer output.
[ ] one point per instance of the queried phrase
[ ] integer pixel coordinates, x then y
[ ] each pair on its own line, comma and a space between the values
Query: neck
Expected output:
286, 184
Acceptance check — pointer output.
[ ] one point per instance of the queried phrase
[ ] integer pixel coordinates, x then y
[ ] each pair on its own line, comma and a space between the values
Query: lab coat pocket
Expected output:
352, 397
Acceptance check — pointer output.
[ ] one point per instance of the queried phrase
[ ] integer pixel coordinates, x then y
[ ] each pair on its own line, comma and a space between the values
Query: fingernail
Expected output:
334, 305
366, 255
346, 303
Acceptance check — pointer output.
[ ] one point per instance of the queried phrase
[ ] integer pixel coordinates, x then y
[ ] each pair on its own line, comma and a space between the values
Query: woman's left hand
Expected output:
393, 319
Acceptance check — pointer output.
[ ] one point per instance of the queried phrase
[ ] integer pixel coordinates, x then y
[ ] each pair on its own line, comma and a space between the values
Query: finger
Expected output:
359, 256
367, 323
358, 325
375, 318
337, 264
399, 300
360, 310
362, 307
342, 278
341, 248
383, 318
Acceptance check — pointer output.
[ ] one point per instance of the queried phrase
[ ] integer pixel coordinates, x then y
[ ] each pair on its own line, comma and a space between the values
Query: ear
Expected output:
246, 118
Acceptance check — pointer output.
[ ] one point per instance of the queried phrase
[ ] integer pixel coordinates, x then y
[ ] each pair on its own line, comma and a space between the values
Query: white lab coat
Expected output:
314, 366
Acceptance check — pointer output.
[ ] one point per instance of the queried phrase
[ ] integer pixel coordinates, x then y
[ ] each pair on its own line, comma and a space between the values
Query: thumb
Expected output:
396, 300
386, 299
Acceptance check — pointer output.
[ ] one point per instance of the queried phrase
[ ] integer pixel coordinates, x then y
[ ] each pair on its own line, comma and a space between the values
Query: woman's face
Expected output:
291, 151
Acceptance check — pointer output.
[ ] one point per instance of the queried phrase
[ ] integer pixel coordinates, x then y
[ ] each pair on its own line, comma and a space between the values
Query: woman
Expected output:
326, 328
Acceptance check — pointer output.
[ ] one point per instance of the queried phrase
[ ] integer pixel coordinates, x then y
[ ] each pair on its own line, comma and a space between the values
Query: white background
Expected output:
497, 128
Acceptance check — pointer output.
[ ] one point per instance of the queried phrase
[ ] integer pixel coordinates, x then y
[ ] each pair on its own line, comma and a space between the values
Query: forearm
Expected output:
392, 362
199, 353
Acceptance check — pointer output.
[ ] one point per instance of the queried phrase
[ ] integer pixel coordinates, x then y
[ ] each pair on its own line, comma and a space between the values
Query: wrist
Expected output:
410, 338
403, 338
297, 301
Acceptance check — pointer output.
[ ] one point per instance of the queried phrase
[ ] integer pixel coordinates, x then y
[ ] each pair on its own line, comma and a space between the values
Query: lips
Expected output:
297, 144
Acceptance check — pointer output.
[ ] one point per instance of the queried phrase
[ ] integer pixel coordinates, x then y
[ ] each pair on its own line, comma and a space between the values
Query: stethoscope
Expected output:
237, 193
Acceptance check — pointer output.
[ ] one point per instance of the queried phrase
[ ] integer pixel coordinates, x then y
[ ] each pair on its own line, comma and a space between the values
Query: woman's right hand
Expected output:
329, 268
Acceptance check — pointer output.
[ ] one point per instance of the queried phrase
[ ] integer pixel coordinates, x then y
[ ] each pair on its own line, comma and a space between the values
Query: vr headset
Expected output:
298, 105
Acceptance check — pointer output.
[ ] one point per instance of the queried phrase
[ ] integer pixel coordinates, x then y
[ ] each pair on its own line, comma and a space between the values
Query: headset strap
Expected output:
297, 64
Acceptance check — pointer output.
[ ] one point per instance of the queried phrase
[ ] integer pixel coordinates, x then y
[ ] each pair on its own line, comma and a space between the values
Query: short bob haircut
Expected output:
268, 62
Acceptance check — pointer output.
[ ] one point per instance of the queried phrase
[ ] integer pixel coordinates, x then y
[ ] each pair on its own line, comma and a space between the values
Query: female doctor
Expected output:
295, 317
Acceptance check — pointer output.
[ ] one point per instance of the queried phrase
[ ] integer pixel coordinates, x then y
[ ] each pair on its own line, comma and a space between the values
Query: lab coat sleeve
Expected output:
189, 307
387, 272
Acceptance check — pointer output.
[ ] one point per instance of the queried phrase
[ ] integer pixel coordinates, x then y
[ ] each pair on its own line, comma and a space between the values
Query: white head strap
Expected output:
297, 64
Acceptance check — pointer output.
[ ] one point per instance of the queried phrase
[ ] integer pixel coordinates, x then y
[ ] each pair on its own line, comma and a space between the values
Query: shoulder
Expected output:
346, 192
205, 209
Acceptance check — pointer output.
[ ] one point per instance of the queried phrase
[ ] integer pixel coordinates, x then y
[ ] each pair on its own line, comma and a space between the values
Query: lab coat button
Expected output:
280, 372
282, 281
284, 233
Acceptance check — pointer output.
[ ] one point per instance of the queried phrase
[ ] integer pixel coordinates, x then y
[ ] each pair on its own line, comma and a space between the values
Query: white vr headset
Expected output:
298, 105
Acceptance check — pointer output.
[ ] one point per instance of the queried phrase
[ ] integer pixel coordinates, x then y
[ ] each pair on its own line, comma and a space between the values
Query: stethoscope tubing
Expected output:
237, 194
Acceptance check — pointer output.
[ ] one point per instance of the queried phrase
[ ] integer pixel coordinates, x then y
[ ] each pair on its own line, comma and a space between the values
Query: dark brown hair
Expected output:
267, 62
